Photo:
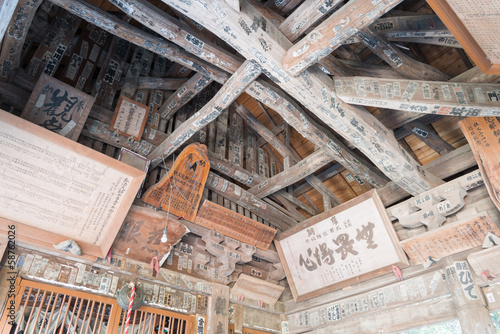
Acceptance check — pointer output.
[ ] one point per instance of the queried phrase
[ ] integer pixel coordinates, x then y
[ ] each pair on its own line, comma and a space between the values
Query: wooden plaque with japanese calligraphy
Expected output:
54, 189
140, 234
483, 135
449, 239
474, 26
343, 246
58, 107
130, 118
179, 192
234, 225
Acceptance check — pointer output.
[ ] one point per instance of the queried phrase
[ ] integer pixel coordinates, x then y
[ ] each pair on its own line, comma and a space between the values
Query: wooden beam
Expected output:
111, 24
293, 174
160, 83
241, 79
399, 61
285, 152
443, 98
183, 95
325, 175
330, 34
7, 10
175, 31
297, 118
306, 15
429, 136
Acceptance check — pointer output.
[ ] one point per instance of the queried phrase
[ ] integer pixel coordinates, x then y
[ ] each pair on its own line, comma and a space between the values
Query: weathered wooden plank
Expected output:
468, 233
243, 77
330, 34
173, 30
19, 19
234, 225
221, 138
138, 37
108, 80
263, 165
325, 175
433, 40
257, 289
235, 151
398, 60
160, 83
251, 162
443, 98
183, 95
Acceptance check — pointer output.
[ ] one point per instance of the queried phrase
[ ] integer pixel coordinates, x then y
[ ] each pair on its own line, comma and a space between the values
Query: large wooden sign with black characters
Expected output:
140, 235
179, 192
58, 107
343, 246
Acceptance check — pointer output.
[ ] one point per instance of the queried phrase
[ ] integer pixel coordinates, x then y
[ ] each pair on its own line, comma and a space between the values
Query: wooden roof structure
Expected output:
302, 104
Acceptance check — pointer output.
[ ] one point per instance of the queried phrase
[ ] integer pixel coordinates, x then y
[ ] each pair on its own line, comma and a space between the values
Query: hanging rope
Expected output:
129, 312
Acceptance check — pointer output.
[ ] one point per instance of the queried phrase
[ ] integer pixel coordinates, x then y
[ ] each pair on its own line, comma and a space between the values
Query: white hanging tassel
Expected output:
69, 245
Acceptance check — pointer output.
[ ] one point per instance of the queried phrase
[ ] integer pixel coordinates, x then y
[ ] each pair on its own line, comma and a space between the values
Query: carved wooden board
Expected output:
474, 25
55, 189
483, 135
345, 245
257, 289
443, 98
450, 239
179, 192
130, 118
140, 234
234, 225
58, 107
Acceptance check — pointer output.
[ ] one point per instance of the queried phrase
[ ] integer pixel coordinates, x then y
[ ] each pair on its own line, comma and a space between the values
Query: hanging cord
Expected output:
131, 303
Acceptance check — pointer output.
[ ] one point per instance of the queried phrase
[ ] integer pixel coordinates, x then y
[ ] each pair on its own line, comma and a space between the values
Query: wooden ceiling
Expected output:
442, 132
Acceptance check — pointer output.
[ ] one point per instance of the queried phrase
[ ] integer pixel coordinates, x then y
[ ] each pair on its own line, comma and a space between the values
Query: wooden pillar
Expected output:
469, 302
218, 314
238, 319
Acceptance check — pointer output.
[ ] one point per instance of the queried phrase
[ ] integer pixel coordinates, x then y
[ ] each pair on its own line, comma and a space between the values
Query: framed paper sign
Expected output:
343, 246
54, 189
130, 118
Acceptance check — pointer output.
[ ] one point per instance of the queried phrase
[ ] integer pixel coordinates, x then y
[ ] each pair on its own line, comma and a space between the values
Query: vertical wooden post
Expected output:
218, 314
238, 319
472, 313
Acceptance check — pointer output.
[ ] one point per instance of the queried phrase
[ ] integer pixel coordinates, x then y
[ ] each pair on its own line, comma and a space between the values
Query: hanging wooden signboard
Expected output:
340, 247
449, 239
140, 235
54, 189
179, 192
474, 26
234, 225
58, 107
130, 118
483, 135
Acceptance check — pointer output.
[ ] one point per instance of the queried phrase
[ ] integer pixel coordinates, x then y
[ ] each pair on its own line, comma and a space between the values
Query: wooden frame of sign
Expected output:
55, 189
348, 244
474, 33
135, 160
133, 111
58, 107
